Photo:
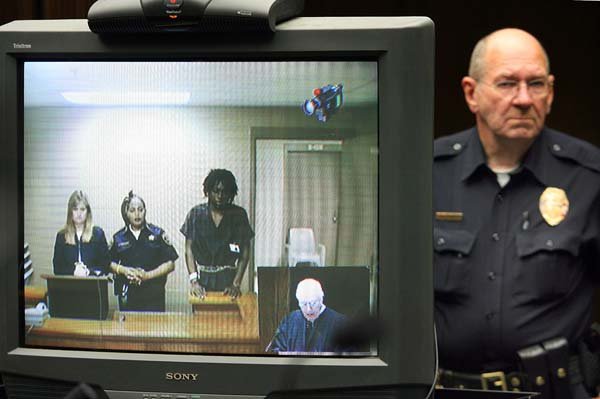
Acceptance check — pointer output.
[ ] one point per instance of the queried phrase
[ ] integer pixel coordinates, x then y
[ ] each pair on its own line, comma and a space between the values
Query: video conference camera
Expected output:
152, 16
327, 101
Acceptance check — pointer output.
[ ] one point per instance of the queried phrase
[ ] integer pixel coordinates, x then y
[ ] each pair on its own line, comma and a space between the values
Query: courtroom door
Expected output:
311, 192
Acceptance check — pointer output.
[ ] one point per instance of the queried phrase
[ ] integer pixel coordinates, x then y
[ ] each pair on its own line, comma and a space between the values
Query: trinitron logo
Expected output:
21, 45
181, 376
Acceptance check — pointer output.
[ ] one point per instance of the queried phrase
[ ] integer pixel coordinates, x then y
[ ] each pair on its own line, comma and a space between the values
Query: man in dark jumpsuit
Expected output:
517, 222
218, 234
313, 328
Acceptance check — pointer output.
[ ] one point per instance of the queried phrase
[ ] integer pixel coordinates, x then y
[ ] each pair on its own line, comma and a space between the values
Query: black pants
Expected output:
144, 298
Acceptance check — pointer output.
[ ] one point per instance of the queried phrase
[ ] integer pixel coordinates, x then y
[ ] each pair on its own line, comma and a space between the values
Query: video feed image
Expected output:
200, 207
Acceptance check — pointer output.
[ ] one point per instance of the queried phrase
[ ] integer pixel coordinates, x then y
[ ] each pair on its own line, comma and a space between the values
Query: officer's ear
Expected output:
469, 84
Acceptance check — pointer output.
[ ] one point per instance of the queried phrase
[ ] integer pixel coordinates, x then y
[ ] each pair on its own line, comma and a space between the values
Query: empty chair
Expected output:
303, 249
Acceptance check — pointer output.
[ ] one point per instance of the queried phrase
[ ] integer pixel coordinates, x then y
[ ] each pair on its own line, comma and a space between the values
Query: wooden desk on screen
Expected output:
229, 330
34, 294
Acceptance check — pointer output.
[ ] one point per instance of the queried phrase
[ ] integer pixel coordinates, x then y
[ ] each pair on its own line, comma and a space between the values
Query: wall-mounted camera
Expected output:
327, 101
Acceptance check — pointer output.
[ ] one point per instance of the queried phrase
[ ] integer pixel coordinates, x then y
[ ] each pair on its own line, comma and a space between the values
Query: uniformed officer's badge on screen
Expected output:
554, 205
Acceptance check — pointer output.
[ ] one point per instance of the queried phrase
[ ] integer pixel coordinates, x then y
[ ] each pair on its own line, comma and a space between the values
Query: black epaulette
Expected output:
571, 148
118, 237
121, 231
157, 231
451, 146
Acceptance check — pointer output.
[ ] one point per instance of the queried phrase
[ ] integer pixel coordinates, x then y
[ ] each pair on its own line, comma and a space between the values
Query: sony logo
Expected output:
181, 376
21, 45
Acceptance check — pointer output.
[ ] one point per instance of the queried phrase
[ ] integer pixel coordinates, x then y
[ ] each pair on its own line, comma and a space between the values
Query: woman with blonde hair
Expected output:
80, 248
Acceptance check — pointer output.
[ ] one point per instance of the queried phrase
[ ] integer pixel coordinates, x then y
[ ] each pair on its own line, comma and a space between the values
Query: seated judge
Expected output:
142, 257
80, 248
313, 328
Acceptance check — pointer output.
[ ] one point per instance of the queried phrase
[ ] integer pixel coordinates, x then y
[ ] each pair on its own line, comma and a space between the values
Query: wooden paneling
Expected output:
18, 9
56, 9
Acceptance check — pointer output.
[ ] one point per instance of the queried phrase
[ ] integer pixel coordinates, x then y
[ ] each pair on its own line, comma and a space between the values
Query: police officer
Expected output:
517, 222
218, 234
142, 257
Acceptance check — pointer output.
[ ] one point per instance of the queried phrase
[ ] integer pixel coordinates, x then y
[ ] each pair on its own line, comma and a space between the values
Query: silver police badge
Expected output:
554, 205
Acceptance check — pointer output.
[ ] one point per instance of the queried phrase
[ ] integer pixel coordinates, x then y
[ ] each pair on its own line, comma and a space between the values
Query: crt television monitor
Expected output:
327, 127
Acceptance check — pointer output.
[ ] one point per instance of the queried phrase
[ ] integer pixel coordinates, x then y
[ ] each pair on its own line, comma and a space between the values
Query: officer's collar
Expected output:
474, 157
145, 227
535, 158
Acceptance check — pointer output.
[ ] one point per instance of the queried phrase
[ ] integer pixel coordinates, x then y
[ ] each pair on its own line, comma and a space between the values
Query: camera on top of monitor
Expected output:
153, 16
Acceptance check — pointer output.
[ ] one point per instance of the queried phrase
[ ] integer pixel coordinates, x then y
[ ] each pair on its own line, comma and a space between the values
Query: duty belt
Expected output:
213, 269
500, 380
493, 380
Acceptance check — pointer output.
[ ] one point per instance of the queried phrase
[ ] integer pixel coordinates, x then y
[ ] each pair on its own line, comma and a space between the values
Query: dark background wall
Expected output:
569, 30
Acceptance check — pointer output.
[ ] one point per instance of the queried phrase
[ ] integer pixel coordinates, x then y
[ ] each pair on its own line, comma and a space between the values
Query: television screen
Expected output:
298, 137
217, 215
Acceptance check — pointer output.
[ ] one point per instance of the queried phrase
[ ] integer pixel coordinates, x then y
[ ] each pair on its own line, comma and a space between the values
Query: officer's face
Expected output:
136, 213
79, 214
219, 197
507, 99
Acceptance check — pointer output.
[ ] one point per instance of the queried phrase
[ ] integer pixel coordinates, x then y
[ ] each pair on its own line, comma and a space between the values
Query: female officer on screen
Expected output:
142, 257
80, 248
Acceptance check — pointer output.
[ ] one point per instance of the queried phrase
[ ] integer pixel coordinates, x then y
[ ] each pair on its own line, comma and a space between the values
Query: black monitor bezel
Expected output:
403, 48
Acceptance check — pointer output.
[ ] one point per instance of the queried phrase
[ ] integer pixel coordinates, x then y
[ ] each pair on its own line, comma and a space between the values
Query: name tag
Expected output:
449, 216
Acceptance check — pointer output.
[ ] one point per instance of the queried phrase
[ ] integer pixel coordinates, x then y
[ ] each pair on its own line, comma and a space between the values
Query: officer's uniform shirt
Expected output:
150, 250
504, 278
94, 254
